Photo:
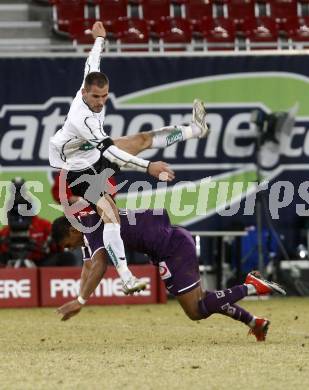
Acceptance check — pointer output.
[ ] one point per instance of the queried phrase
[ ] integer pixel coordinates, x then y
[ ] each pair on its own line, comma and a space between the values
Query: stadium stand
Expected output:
156, 25
261, 33
195, 9
77, 28
297, 30
21, 26
218, 33
153, 10
131, 32
240, 10
66, 11
175, 31
108, 10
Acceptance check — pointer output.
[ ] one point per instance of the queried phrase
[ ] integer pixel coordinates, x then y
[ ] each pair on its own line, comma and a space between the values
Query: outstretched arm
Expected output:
93, 61
91, 130
91, 275
94, 274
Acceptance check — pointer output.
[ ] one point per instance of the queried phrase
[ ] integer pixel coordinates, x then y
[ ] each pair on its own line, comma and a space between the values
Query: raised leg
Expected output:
114, 245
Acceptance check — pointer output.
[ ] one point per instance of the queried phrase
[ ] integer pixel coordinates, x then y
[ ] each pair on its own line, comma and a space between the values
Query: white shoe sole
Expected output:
200, 111
273, 286
277, 288
138, 288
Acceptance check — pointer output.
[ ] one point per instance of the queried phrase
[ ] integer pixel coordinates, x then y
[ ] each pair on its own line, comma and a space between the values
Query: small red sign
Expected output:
19, 287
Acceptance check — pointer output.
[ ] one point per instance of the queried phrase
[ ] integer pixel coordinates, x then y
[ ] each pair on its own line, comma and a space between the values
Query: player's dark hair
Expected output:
96, 78
60, 229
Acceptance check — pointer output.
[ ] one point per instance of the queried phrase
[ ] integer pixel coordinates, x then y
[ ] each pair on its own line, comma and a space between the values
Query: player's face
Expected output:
73, 240
96, 97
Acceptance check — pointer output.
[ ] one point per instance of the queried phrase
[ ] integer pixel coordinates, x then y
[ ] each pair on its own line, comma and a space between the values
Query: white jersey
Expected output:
74, 146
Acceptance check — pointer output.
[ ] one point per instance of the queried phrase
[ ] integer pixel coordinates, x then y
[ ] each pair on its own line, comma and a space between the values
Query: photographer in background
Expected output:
26, 241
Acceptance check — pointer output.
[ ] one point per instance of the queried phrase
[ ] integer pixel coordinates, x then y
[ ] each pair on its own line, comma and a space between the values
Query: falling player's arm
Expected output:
85, 272
91, 275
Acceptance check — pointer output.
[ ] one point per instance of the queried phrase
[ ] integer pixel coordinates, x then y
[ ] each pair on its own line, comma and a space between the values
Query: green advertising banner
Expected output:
216, 177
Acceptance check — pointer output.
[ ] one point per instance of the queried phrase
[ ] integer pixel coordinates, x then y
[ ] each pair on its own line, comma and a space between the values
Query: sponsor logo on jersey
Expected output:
86, 146
164, 271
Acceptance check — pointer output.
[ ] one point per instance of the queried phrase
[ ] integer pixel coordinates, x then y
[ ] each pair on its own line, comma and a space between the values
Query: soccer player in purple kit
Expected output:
172, 249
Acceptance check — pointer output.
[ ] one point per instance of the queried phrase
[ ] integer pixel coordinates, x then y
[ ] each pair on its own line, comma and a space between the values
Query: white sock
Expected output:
252, 322
114, 246
196, 131
169, 135
251, 289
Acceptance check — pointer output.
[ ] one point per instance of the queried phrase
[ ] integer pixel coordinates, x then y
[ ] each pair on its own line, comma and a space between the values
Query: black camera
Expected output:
273, 124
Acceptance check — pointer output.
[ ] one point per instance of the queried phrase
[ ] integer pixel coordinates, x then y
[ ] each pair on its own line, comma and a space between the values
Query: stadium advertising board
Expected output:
53, 286
216, 177
19, 288
60, 285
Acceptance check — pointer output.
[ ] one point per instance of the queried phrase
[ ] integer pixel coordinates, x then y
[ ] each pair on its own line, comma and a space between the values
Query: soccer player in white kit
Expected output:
81, 147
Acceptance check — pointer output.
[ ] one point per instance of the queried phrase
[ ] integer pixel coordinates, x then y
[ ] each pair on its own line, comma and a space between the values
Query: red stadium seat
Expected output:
66, 10
219, 33
289, 24
298, 30
173, 31
132, 31
280, 10
77, 29
153, 10
239, 10
111, 9
261, 33
197, 9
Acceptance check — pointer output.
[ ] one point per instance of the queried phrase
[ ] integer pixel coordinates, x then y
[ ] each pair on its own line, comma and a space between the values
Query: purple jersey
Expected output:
143, 231
171, 248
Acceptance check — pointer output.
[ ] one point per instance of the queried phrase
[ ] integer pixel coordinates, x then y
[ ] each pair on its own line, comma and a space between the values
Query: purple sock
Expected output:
238, 313
221, 301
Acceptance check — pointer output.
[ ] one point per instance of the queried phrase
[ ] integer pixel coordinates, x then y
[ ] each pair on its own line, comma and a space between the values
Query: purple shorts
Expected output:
180, 271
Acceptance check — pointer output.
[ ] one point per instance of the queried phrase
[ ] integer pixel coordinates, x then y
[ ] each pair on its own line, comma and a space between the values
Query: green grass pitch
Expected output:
154, 347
